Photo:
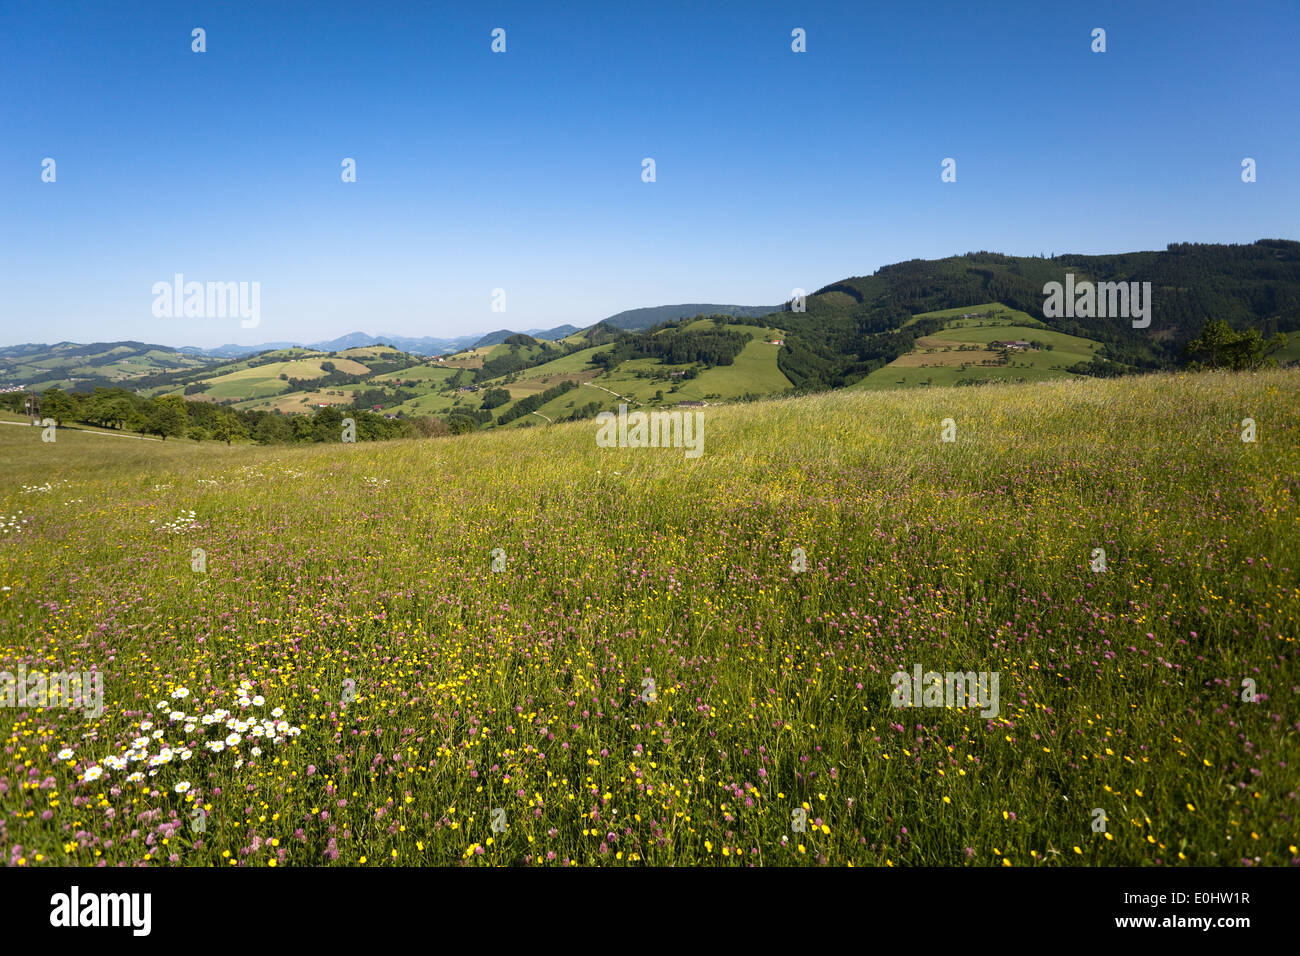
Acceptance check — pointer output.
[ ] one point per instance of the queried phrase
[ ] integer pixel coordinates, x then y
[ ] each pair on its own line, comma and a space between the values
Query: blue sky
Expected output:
522, 170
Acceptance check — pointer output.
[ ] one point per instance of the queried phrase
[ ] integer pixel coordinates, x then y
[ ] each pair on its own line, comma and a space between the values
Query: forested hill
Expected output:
855, 326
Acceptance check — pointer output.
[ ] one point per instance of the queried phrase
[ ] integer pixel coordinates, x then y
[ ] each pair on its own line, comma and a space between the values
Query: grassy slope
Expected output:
55, 369
370, 563
936, 359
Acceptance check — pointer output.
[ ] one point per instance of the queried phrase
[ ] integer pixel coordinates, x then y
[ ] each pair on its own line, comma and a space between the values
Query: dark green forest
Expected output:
840, 338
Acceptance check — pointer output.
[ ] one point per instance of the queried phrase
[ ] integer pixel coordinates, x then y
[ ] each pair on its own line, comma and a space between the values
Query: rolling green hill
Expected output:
854, 327
960, 353
919, 323
68, 365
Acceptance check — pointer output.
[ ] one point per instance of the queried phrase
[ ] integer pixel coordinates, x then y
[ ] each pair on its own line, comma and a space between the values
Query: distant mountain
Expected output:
239, 351
353, 340
428, 345
549, 335
636, 319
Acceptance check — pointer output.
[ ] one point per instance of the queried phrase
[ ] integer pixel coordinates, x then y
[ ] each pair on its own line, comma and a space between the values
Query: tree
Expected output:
227, 427
1218, 346
109, 407
163, 418
59, 405
495, 397
273, 429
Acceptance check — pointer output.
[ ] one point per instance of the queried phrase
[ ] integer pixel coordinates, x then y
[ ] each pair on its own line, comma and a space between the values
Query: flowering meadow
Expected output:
308, 659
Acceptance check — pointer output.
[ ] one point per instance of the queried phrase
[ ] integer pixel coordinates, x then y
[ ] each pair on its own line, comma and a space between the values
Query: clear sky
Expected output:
523, 170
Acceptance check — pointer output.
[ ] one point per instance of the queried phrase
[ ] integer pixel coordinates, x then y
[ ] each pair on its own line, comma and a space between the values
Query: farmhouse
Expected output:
1018, 345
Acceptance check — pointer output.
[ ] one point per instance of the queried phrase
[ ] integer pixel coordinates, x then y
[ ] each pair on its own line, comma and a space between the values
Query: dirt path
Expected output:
625, 398
88, 431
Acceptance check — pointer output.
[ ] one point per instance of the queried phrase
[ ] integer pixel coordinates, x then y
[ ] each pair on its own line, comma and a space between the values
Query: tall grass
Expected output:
363, 573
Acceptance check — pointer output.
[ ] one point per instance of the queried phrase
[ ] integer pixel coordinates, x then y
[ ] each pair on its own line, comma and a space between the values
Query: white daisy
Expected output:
232, 740
65, 754
182, 786
93, 773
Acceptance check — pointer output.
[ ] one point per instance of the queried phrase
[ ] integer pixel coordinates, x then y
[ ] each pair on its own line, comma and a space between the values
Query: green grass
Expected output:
262, 381
351, 585
1290, 352
936, 362
1001, 315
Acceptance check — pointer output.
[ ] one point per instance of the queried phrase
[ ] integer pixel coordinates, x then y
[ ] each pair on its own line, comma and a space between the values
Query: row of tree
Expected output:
171, 416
